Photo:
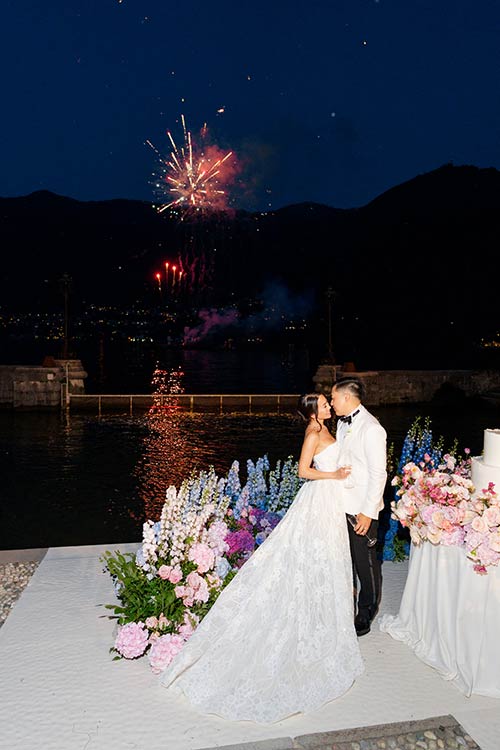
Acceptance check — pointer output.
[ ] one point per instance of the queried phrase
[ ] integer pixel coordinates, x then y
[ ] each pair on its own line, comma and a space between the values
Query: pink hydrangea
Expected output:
202, 556
454, 537
163, 650
132, 640
216, 536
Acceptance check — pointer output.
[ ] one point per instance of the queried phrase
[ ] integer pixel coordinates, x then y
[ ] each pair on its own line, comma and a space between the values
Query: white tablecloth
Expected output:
450, 617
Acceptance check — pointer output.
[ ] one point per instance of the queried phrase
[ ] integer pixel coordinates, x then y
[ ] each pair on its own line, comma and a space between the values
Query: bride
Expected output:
280, 638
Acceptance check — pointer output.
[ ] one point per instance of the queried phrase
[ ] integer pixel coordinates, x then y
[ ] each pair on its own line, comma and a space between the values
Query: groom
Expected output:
363, 440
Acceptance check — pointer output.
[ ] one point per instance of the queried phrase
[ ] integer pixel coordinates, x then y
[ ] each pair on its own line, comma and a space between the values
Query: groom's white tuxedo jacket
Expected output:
365, 441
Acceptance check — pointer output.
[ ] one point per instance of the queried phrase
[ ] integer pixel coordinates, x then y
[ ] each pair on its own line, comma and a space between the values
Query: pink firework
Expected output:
194, 177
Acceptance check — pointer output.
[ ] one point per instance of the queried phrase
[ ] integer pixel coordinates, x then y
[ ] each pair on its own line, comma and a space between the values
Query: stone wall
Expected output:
412, 386
44, 386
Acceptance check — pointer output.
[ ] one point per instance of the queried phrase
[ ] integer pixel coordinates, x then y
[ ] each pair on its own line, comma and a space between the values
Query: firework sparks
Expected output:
192, 176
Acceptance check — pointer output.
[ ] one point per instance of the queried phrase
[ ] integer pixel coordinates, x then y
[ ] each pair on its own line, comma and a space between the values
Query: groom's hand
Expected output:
363, 524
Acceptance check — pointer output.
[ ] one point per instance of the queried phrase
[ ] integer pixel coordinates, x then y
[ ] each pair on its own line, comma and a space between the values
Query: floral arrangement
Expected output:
482, 530
437, 501
207, 530
433, 500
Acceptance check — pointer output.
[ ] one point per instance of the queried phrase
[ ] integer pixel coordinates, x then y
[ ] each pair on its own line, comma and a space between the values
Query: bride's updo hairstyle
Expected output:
308, 407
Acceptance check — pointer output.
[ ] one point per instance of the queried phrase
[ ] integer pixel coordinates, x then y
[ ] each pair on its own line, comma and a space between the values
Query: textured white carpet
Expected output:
61, 690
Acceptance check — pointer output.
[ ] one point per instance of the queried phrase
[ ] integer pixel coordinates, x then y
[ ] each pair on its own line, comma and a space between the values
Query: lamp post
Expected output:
65, 282
330, 295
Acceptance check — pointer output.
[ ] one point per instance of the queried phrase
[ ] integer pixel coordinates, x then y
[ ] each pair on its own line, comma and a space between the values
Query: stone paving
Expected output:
437, 733
14, 577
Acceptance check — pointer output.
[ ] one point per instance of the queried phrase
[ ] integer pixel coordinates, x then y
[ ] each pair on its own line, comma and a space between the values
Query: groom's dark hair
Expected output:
355, 386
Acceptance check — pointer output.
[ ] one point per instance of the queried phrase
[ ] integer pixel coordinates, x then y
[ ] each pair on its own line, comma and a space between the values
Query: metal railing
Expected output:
248, 403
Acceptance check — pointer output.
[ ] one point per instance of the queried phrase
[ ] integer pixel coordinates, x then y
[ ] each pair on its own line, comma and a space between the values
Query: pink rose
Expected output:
199, 587
164, 571
186, 593
179, 591
194, 580
492, 515
202, 594
189, 625
175, 575
213, 580
479, 524
151, 622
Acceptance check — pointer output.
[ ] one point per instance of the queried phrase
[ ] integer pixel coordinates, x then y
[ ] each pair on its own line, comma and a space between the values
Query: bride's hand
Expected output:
342, 473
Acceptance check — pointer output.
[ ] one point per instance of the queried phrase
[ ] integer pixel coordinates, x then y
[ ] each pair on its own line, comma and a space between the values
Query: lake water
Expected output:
130, 370
90, 480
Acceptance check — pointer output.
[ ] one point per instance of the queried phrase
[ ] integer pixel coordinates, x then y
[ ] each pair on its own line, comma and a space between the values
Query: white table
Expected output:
450, 617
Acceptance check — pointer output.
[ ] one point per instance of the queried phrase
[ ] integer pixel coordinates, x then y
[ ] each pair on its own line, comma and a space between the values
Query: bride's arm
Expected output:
306, 471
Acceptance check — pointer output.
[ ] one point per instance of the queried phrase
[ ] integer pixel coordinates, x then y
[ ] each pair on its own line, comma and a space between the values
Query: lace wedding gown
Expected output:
280, 638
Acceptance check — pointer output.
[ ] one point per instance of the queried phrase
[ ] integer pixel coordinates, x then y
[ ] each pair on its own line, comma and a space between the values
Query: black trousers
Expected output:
367, 570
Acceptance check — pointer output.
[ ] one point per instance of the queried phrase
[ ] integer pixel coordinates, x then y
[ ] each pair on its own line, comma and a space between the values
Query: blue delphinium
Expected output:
242, 502
289, 486
274, 484
233, 484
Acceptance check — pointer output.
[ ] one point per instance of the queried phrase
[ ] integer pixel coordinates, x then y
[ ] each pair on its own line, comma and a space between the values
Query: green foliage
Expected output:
140, 596
400, 547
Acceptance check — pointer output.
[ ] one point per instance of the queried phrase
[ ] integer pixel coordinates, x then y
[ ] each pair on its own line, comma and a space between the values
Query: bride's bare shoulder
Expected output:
312, 435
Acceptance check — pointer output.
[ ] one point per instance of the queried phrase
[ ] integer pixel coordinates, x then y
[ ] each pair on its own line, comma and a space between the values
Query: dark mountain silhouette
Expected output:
412, 274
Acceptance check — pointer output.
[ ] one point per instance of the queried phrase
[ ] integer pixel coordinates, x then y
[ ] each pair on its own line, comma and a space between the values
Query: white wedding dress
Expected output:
280, 638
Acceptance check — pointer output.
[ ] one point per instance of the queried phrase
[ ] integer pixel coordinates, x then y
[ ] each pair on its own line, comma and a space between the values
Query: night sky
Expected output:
325, 100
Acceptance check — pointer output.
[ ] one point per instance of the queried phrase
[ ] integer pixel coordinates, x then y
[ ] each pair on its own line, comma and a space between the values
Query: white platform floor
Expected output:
61, 690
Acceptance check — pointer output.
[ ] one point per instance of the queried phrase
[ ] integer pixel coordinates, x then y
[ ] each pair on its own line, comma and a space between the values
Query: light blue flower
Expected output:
222, 567
139, 558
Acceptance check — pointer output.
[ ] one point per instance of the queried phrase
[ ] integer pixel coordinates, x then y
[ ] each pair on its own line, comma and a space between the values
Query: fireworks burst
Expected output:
194, 177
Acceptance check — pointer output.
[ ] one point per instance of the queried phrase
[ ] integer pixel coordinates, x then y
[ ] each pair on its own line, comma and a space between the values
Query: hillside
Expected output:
394, 266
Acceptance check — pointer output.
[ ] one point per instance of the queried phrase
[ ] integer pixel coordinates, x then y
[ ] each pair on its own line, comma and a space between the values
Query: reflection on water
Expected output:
91, 480
165, 442
166, 452
254, 371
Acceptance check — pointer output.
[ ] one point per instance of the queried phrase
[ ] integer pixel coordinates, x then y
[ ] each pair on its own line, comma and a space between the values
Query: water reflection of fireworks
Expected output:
176, 444
165, 384
193, 177
165, 442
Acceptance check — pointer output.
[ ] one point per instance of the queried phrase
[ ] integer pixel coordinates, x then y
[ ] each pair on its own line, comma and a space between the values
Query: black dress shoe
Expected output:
362, 625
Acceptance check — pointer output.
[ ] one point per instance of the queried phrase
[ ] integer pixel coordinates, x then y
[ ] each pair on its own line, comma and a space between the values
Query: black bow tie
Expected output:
349, 418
